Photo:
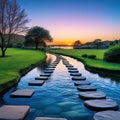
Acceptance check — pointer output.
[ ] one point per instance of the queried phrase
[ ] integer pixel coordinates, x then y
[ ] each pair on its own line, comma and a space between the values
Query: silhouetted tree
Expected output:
12, 20
97, 43
77, 44
38, 35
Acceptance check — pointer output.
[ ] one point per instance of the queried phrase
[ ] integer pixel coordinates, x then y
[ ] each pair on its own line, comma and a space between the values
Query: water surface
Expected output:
58, 97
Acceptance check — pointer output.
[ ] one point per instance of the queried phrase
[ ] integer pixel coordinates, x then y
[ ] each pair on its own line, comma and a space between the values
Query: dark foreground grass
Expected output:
97, 64
17, 63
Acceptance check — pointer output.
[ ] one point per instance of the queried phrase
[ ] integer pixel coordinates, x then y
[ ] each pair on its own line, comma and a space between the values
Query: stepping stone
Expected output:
36, 82
92, 95
55, 63
22, 93
73, 71
66, 62
49, 118
86, 88
48, 71
103, 104
9, 112
41, 78
79, 78
69, 65
81, 82
75, 74
52, 66
72, 68
47, 74
107, 115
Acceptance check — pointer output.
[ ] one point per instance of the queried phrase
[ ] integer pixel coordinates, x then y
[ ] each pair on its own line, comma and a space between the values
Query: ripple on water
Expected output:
47, 101
76, 115
52, 110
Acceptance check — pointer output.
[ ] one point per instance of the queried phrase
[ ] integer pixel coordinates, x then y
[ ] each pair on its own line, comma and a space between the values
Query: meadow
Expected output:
97, 63
16, 63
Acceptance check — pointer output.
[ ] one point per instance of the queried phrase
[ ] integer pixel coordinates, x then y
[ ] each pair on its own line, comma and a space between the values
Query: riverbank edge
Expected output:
22, 72
94, 69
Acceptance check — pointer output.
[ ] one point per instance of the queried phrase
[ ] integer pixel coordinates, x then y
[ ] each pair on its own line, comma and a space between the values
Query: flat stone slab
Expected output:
78, 78
103, 104
81, 82
9, 112
48, 71
47, 74
107, 115
86, 88
52, 66
75, 74
69, 65
73, 71
72, 68
92, 95
41, 78
22, 93
49, 118
36, 82
65, 62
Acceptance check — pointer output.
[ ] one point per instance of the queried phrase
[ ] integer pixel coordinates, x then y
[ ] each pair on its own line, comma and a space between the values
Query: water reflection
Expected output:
58, 97
46, 62
107, 75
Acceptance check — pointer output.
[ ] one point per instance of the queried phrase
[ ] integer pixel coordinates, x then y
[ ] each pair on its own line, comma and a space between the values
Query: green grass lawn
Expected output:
98, 63
17, 61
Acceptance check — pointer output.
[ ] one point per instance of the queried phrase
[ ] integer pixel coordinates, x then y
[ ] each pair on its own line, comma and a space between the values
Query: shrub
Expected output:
92, 56
84, 55
113, 54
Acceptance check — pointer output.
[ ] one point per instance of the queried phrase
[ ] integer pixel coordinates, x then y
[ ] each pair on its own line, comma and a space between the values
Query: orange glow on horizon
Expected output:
83, 41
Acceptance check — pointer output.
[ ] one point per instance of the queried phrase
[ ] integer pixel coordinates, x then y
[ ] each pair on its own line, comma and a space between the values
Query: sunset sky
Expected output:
70, 20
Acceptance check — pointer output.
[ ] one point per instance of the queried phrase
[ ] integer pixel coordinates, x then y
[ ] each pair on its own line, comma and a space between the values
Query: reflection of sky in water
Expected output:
58, 97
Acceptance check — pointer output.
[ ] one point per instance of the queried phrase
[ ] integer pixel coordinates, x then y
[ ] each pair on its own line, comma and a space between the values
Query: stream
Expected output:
58, 96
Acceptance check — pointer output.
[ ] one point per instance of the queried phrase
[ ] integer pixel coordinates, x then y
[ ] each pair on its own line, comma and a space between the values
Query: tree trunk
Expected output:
36, 46
3, 53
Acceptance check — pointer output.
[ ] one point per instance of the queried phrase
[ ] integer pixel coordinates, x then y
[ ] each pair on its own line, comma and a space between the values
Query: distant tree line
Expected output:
96, 44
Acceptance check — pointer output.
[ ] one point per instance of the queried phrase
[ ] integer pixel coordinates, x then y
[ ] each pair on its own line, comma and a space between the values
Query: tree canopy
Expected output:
38, 36
76, 44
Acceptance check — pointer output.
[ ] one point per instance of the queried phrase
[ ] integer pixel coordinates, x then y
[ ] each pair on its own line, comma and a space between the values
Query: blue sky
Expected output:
69, 20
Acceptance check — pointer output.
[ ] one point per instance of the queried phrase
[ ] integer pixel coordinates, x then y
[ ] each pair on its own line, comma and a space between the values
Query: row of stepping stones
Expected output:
94, 100
12, 112
40, 80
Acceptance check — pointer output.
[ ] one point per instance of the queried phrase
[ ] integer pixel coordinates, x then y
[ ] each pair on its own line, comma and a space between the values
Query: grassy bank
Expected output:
97, 65
17, 63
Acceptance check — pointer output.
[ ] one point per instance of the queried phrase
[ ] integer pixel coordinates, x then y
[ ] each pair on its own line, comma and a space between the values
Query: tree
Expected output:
76, 44
37, 35
12, 21
97, 43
